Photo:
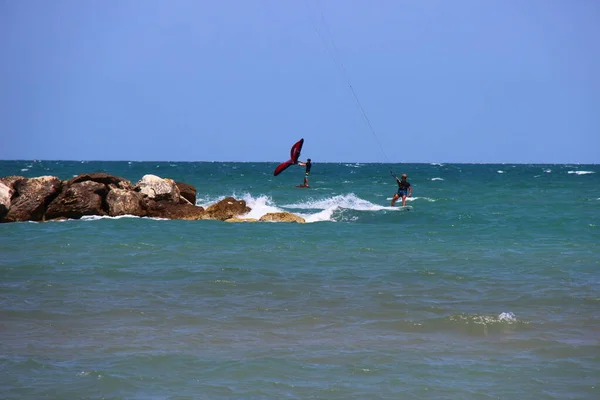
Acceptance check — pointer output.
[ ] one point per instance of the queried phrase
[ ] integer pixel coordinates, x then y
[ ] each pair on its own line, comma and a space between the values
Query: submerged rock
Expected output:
282, 217
241, 220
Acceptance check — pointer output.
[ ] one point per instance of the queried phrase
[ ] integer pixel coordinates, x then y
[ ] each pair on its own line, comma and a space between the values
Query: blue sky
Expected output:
192, 80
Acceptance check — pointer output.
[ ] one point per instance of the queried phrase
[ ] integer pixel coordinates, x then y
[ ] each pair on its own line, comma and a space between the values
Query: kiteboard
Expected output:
302, 186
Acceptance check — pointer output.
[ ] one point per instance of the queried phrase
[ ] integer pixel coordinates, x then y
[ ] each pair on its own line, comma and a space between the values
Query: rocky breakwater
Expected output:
48, 198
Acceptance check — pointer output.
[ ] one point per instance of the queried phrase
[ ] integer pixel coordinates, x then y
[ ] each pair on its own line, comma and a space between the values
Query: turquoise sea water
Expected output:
488, 287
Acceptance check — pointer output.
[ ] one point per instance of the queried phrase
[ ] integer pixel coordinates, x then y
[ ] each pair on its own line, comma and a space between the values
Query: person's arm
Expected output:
409, 190
302, 164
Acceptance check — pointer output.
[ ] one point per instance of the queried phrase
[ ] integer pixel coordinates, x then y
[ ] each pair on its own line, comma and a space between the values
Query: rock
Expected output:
31, 197
77, 200
98, 193
170, 210
226, 209
282, 217
103, 178
125, 202
157, 188
11, 180
241, 220
187, 191
6, 193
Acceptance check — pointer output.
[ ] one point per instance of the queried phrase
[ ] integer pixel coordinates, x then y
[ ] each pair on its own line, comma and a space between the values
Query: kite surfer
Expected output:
404, 190
306, 164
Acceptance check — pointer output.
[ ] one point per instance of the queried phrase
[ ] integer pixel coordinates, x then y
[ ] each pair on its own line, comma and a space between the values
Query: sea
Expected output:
485, 286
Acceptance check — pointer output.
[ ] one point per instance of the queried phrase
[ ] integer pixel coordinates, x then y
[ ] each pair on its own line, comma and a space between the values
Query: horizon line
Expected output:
318, 162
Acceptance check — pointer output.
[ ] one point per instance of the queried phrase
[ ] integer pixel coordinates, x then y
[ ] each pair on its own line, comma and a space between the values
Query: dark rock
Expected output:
103, 178
77, 200
170, 210
227, 208
187, 191
31, 197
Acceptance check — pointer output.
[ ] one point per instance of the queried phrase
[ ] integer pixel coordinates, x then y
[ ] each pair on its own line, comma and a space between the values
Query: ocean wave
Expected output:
468, 324
349, 201
328, 209
486, 324
581, 172
331, 207
260, 206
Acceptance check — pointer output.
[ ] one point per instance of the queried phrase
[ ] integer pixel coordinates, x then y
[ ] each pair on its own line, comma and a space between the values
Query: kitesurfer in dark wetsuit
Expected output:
308, 164
404, 190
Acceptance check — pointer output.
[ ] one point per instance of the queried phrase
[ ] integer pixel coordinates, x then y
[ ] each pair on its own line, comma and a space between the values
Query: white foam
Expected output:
547, 171
312, 210
208, 201
329, 205
348, 201
507, 317
98, 217
581, 172
260, 206
263, 204
24, 169
325, 215
437, 179
500, 171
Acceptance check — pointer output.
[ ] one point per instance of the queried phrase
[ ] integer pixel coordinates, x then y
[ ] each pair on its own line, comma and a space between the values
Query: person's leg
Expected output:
403, 200
394, 199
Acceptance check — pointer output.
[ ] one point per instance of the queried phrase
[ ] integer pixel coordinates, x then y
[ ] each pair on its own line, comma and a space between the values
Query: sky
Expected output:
464, 81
